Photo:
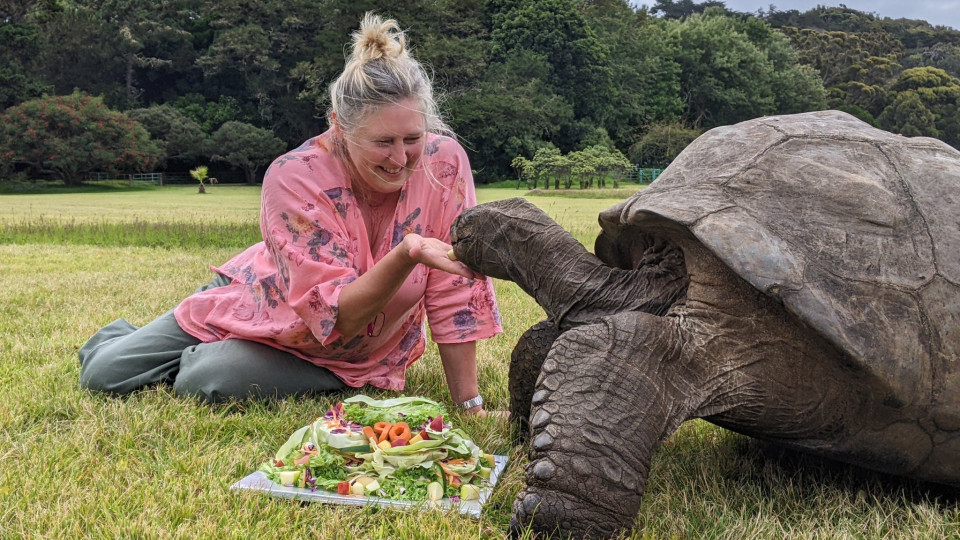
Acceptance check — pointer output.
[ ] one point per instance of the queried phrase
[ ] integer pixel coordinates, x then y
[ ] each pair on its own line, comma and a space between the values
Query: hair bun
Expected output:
378, 38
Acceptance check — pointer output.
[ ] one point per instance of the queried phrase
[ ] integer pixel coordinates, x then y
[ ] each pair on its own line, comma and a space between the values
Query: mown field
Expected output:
153, 465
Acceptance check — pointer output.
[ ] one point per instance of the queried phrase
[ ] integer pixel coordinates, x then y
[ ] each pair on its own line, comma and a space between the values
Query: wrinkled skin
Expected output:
652, 333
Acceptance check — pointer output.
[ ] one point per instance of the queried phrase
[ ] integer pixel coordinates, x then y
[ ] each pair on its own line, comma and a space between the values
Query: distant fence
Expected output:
152, 178
164, 178
645, 176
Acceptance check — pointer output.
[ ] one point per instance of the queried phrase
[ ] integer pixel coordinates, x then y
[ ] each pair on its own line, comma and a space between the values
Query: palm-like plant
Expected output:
200, 174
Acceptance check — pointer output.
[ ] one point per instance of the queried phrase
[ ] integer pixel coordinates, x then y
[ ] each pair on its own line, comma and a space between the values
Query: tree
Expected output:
732, 70
512, 111
645, 77
147, 35
854, 67
683, 8
200, 174
256, 55
246, 146
556, 31
661, 144
945, 56
609, 162
18, 79
179, 137
524, 168
542, 165
583, 166
76, 53
925, 103
209, 115
71, 136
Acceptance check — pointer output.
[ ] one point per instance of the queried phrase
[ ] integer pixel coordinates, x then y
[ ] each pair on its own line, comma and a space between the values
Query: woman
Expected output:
354, 223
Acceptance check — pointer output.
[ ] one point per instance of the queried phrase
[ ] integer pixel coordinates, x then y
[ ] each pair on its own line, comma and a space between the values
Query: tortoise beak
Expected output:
459, 231
454, 238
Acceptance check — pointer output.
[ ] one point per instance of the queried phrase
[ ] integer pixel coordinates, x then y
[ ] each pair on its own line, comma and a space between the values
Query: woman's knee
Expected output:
121, 358
240, 369
98, 355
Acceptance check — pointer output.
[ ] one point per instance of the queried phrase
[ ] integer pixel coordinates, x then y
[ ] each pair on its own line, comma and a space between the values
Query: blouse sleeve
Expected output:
304, 229
459, 309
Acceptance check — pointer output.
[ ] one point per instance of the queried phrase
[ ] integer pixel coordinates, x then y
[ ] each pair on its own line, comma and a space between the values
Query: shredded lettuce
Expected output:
413, 410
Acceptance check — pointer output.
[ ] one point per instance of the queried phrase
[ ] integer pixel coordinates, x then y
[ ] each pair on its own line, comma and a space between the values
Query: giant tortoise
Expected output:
792, 278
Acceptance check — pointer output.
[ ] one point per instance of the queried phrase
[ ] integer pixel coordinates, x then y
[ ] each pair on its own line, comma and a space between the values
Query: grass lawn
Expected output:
152, 465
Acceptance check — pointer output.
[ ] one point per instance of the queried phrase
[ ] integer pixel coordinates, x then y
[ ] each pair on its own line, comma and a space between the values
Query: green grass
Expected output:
153, 465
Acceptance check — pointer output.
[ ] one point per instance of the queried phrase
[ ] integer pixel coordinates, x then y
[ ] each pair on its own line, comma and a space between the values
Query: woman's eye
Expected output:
412, 140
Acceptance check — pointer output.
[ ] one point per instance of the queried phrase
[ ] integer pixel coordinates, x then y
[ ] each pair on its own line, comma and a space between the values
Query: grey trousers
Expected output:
121, 358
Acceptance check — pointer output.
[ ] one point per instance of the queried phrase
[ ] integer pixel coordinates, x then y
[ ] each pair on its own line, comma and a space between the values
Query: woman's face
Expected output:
385, 150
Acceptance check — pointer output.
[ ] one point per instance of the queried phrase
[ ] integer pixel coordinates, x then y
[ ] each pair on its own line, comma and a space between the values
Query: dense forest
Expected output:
171, 84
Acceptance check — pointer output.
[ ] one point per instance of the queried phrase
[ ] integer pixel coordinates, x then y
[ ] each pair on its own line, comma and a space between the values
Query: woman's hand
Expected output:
432, 252
482, 413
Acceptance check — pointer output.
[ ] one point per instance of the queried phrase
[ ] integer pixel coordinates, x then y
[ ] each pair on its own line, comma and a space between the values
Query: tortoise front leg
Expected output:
608, 395
525, 361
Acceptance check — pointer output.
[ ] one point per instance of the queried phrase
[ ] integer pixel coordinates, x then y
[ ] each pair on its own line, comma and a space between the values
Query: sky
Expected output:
942, 12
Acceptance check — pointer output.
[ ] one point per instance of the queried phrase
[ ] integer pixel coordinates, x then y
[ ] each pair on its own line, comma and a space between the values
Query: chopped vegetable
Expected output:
374, 454
434, 491
289, 478
469, 492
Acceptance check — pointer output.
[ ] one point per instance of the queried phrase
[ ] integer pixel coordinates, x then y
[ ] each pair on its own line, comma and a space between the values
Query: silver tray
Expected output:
258, 481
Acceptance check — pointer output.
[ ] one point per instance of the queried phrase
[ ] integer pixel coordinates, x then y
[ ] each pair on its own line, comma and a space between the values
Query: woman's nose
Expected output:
398, 152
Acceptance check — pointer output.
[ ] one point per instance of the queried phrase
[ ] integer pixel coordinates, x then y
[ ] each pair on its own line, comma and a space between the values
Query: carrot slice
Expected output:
379, 427
385, 434
400, 430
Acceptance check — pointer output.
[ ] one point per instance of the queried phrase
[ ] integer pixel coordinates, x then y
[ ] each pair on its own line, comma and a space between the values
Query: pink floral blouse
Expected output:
285, 289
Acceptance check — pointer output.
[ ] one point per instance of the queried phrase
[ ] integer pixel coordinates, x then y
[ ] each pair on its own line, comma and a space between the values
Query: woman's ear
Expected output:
334, 123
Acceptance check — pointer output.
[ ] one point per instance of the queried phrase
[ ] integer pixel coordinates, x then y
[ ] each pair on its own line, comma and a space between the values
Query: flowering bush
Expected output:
70, 136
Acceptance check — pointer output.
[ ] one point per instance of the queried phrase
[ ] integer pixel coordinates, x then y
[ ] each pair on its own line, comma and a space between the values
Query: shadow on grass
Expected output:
772, 466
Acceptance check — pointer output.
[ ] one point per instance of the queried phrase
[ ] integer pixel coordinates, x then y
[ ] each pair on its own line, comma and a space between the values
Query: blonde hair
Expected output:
378, 72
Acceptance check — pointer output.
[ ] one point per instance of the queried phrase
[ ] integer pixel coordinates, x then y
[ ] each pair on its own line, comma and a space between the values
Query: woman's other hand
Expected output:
482, 413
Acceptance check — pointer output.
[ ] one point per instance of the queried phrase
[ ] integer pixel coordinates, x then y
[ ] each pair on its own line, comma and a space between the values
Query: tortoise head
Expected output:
489, 237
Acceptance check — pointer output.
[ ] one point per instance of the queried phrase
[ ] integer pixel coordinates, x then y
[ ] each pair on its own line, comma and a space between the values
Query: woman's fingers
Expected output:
435, 253
483, 413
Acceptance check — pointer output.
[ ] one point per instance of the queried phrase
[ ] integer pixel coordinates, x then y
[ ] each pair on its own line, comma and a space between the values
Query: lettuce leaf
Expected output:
413, 410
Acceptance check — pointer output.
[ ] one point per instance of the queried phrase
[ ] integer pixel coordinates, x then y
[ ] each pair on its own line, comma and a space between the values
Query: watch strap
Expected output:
471, 403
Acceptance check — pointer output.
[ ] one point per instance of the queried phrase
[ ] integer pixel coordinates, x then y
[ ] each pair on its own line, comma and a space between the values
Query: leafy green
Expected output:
326, 463
408, 484
413, 410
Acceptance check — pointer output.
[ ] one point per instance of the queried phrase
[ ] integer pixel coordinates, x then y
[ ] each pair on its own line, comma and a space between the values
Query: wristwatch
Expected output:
471, 403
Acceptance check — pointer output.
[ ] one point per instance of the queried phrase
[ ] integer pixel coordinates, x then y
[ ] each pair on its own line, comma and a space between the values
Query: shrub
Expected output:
68, 137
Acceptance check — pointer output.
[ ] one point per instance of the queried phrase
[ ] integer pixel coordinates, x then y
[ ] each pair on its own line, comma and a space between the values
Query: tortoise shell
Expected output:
855, 230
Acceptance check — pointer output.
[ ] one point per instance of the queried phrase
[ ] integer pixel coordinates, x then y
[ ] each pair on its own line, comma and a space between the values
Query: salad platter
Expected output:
394, 453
